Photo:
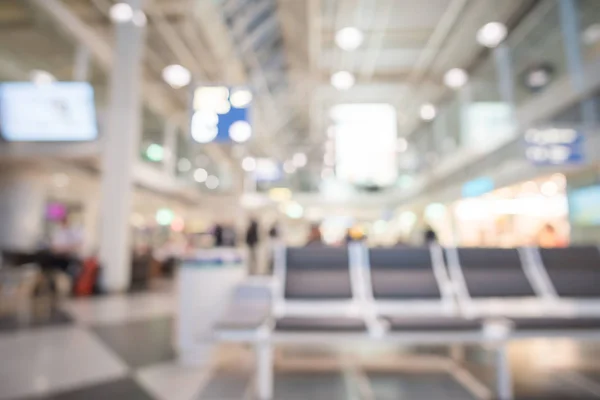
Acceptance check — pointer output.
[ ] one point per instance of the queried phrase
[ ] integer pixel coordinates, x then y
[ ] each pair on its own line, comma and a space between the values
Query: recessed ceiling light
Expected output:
184, 165
591, 35
492, 34
212, 182
349, 38
155, 152
223, 107
139, 18
209, 98
240, 98
538, 77
121, 13
300, 160
456, 78
249, 164
200, 175
342, 80
428, 112
240, 131
41, 77
204, 126
177, 76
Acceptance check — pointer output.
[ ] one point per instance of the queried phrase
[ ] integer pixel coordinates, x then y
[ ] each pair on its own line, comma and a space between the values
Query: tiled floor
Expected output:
140, 343
122, 348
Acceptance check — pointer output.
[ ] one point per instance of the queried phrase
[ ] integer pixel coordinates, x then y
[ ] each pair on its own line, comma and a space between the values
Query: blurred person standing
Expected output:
218, 235
65, 238
61, 262
274, 234
430, 237
252, 240
314, 236
548, 237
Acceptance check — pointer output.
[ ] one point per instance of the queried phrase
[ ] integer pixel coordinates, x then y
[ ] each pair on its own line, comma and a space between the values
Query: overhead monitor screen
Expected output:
365, 143
55, 112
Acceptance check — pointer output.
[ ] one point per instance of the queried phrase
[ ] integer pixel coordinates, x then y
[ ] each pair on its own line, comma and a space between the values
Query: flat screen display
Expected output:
365, 143
56, 112
584, 206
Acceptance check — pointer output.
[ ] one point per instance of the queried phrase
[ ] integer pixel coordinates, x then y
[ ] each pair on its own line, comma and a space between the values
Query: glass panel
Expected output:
151, 145
445, 136
538, 54
484, 82
454, 121
589, 11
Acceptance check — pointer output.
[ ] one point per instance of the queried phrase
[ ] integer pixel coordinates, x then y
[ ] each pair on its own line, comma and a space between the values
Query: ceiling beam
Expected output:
376, 43
155, 96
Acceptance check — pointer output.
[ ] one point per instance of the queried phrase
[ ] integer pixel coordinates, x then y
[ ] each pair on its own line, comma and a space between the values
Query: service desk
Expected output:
206, 282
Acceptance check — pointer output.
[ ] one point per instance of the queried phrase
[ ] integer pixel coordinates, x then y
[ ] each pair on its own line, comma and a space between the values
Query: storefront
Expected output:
534, 212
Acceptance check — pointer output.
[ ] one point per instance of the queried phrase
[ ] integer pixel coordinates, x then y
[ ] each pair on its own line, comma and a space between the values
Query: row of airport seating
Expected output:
418, 296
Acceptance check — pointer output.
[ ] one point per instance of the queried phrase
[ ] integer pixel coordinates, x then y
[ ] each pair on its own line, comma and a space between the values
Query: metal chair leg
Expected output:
264, 370
504, 387
457, 353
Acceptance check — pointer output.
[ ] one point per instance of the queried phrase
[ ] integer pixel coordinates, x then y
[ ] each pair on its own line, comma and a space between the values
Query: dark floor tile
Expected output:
548, 386
303, 386
140, 343
592, 376
225, 385
403, 386
121, 389
39, 318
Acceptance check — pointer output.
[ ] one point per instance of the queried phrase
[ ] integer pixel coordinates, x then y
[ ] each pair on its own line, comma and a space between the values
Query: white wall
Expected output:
22, 208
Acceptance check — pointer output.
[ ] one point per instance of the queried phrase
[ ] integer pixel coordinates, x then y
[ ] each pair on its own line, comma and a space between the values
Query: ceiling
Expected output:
284, 49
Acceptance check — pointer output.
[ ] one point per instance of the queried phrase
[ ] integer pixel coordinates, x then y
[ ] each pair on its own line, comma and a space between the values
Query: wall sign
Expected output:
554, 146
221, 114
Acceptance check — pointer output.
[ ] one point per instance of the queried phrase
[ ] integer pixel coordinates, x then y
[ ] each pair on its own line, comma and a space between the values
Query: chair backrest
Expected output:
493, 272
573, 271
317, 273
403, 274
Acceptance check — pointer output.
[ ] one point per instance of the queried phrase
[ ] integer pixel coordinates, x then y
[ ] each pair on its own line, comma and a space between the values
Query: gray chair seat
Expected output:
491, 272
243, 318
556, 323
433, 324
574, 271
319, 324
403, 274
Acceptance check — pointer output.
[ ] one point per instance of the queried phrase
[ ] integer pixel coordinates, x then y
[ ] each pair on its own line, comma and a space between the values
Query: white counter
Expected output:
206, 283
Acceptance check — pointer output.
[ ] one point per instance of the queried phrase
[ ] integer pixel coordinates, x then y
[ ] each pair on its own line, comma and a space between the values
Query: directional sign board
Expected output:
554, 146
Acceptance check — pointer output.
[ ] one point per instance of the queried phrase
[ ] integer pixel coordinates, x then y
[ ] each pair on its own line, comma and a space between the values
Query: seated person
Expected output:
314, 237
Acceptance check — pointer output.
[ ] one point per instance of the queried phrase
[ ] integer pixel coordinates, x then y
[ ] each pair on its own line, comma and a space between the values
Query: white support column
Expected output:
264, 370
504, 388
91, 215
571, 33
121, 141
170, 147
81, 69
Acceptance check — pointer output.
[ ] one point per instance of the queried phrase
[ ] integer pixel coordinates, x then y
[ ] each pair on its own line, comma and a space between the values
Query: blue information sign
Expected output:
221, 114
555, 146
477, 187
